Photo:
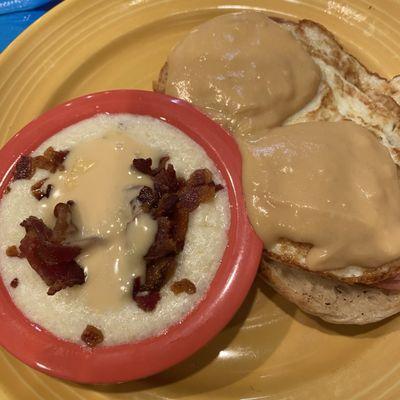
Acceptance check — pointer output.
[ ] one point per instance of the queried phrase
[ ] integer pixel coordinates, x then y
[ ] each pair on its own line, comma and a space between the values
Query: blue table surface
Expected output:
17, 15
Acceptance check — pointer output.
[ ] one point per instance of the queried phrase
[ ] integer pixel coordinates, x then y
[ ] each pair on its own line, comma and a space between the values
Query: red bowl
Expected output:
42, 350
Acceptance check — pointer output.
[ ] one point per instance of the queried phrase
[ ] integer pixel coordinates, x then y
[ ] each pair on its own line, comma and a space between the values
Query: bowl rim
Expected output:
40, 349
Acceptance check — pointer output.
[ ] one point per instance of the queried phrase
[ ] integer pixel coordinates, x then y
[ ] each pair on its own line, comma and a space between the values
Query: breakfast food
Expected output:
324, 188
226, 76
317, 183
104, 225
246, 72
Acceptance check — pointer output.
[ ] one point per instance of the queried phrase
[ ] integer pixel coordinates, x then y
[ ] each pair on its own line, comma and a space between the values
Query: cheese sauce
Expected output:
328, 184
244, 71
99, 179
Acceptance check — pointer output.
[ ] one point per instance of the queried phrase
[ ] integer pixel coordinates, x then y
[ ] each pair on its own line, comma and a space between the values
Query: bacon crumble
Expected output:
92, 336
148, 198
51, 160
23, 168
14, 283
183, 286
7, 190
12, 251
169, 203
47, 255
38, 193
146, 300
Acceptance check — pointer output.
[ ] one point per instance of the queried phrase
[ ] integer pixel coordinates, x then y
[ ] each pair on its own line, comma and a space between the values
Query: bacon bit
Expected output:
200, 177
199, 189
51, 160
158, 273
24, 168
166, 205
180, 227
38, 193
148, 300
47, 255
165, 181
14, 283
183, 286
161, 165
7, 190
12, 251
92, 336
170, 204
164, 243
148, 198
143, 165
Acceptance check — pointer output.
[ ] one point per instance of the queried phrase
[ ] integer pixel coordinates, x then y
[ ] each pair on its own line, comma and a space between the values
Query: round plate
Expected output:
270, 349
111, 364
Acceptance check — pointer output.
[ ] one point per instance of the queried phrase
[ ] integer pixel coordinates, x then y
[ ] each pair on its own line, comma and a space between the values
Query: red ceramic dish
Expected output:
47, 353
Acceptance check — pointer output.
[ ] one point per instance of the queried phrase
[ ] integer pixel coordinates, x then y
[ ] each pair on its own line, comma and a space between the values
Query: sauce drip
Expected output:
328, 184
99, 179
244, 71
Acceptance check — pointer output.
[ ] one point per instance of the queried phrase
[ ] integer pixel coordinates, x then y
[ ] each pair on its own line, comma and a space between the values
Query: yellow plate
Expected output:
270, 350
